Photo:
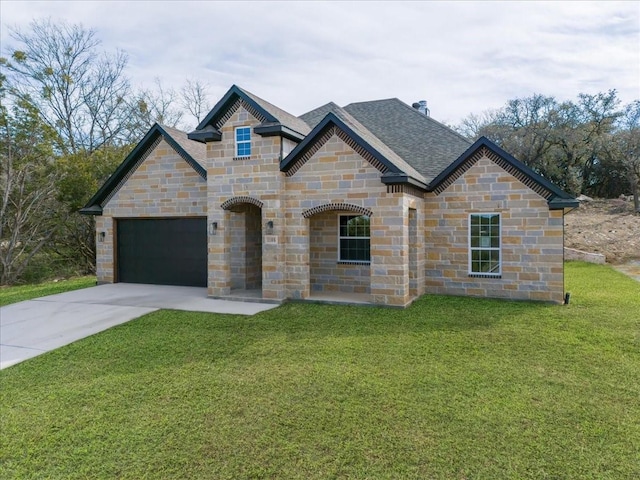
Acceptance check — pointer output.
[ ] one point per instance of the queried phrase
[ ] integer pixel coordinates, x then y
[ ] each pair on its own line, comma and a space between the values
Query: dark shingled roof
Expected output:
285, 118
197, 150
316, 115
421, 141
376, 143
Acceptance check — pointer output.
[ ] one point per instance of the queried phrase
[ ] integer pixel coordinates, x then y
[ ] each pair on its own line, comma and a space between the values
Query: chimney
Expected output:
421, 106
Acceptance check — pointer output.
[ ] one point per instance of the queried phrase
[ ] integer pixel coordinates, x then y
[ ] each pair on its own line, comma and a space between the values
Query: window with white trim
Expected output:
243, 141
484, 244
354, 238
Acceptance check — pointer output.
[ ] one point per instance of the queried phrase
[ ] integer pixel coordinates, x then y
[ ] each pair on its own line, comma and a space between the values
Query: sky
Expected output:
462, 57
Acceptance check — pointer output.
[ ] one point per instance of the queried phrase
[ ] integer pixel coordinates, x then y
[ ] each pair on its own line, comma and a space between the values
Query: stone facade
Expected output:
163, 185
277, 231
326, 273
531, 243
255, 180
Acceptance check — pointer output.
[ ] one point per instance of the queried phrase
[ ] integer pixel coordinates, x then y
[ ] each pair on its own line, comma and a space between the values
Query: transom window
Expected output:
484, 244
243, 141
355, 238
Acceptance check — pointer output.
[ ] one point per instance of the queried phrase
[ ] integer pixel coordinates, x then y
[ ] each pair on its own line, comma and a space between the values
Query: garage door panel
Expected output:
163, 251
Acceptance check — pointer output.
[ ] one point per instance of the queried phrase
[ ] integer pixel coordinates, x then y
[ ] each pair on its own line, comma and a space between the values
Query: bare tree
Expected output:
79, 91
153, 105
194, 97
473, 125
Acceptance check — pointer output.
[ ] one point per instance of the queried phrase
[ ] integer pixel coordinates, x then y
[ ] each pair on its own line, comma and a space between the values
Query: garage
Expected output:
166, 251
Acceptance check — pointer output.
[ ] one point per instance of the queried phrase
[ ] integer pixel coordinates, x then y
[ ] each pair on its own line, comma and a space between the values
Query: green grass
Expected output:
451, 388
26, 292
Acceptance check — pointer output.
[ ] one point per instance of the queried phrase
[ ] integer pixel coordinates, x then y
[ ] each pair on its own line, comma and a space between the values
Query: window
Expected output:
355, 241
484, 244
243, 142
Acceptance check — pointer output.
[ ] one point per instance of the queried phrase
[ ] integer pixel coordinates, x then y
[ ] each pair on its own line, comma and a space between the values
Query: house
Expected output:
373, 202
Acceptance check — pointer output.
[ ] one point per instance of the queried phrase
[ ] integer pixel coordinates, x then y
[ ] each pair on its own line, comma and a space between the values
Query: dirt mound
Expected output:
608, 227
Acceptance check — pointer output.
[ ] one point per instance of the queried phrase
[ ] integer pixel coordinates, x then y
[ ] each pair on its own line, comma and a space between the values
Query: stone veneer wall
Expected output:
258, 178
245, 230
326, 273
163, 185
532, 238
406, 259
335, 175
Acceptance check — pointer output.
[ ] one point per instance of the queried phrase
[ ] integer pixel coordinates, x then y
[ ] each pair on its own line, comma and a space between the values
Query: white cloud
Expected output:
462, 57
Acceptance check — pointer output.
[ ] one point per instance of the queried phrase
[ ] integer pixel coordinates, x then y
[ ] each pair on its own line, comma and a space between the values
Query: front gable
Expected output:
162, 184
334, 171
272, 121
332, 126
320, 136
156, 136
484, 148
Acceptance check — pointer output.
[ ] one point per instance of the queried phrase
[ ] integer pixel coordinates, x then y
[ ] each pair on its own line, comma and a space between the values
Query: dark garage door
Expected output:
163, 251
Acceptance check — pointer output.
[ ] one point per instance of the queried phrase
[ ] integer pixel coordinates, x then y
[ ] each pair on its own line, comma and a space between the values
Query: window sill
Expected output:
354, 262
485, 275
242, 158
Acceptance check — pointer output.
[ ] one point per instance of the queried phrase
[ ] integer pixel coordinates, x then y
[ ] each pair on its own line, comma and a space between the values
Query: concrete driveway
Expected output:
30, 328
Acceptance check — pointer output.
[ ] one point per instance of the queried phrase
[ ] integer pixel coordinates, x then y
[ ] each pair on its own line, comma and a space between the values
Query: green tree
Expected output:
623, 150
564, 142
29, 212
78, 177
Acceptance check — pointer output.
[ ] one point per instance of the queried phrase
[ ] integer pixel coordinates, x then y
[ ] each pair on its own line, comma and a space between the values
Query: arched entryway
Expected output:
245, 241
339, 253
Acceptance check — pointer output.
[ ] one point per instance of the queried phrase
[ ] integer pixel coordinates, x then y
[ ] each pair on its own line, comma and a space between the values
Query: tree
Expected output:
194, 97
29, 213
564, 142
79, 91
150, 106
580, 132
58, 77
78, 177
624, 148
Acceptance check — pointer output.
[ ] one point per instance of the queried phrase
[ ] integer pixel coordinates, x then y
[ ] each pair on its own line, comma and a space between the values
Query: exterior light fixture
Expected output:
270, 227
101, 236
213, 228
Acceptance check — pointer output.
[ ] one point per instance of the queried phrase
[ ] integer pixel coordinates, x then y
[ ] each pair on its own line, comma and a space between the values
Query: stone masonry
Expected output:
531, 243
419, 242
163, 185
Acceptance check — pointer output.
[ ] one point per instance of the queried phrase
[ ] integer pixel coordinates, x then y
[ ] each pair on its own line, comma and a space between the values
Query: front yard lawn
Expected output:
27, 292
451, 388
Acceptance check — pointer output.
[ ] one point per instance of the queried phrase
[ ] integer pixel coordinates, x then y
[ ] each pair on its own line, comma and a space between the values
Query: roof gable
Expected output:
394, 169
190, 151
274, 120
556, 198
426, 144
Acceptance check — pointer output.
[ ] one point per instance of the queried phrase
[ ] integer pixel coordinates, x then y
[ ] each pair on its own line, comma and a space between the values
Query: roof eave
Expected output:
226, 102
272, 130
94, 205
207, 134
557, 203
403, 179
331, 118
91, 210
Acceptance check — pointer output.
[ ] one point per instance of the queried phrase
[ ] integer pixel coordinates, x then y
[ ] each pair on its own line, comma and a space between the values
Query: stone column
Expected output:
219, 257
390, 252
